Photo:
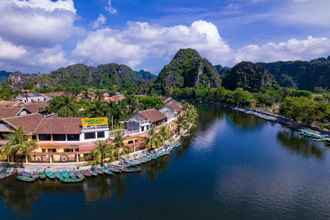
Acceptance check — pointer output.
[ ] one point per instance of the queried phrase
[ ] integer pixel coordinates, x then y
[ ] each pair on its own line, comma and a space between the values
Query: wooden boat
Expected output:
94, 173
50, 175
7, 172
312, 134
42, 176
115, 169
107, 171
131, 170
27, 179
87, 173
70, 177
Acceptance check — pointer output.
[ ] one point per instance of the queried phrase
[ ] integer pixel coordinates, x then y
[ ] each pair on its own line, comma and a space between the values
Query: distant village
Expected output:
74, 139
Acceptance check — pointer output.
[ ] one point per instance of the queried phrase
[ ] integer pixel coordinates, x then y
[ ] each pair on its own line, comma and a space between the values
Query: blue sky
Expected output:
42, 35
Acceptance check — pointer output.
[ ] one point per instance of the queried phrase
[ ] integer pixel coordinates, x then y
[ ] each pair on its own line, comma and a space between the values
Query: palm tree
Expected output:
101, 150
164, 134
118, 140
154, 140
18, 143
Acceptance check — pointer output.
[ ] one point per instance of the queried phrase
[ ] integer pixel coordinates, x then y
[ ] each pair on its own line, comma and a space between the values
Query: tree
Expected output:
18, 143
101, 150
118, 140
164, 134
154, 140
64, 106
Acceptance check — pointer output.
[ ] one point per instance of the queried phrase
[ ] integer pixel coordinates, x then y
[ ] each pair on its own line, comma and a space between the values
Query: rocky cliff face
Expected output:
301, 74
249, 76
187, 69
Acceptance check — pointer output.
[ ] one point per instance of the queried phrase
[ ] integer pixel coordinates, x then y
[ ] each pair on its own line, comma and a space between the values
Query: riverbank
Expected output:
279, 119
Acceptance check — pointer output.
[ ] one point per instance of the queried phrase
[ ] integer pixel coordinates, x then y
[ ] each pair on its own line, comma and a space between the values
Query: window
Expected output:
100, 134
90, 135
44, 150
59, 137
73, 137
52, 150
34, 137
130, 142
45, 137
68, 150
142, 128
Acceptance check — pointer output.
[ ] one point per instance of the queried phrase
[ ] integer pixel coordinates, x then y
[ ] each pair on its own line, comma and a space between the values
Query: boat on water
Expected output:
107, 171
42, 176
313, 134
115, 169
132, 169
7, 172
27, 177
50, 175
70, 177
87, 173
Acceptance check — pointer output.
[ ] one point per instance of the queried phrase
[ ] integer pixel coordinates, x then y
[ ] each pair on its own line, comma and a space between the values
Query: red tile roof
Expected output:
7, 112
27, 122
175, 106
57, 125
36, 107
152, 115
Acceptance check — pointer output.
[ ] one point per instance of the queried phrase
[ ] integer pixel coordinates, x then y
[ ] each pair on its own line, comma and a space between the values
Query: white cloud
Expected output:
99, 22
46, 4
9, 51
109, 8
37, 22
139, 42
304, 12
291, 49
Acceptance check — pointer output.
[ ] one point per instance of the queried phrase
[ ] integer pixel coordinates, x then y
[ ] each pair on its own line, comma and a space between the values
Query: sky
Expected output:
43, 35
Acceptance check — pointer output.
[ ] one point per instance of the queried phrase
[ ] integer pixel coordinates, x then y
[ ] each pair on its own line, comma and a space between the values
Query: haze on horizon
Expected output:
42, 35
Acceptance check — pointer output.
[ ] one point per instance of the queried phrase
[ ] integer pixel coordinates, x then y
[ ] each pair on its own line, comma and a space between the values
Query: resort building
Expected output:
73, 139
32, 98
143, 121
58, 139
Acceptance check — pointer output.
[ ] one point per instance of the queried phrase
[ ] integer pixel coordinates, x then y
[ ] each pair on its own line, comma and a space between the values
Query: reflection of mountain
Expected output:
244, 122
299, 145
208, 114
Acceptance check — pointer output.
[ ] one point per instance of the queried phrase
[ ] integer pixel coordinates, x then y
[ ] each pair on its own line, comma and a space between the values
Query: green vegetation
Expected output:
18, 144
65, 106
249, 76
6, 92
187, 69
302, 106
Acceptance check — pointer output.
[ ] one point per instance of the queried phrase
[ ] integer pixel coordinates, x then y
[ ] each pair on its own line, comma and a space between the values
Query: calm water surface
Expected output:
233, 167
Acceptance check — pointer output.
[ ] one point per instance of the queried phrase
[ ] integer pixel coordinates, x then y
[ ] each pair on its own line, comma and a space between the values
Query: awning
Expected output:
87, 148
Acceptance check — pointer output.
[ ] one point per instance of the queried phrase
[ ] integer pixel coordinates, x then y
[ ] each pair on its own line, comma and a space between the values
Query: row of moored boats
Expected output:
127, 164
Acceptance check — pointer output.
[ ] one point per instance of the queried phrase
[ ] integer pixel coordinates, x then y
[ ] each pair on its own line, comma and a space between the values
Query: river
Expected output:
232, 167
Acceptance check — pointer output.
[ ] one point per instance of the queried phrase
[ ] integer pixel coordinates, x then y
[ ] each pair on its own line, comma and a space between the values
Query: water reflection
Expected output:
97, 189
244, 122
238, 177
156, 168
299, 145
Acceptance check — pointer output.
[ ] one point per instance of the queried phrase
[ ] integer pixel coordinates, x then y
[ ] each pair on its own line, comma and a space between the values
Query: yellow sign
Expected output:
91, 122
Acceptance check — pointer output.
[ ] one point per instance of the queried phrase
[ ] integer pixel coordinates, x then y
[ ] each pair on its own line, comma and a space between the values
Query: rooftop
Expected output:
12, 111
57, 125
27, 122
174, 105
152, 115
